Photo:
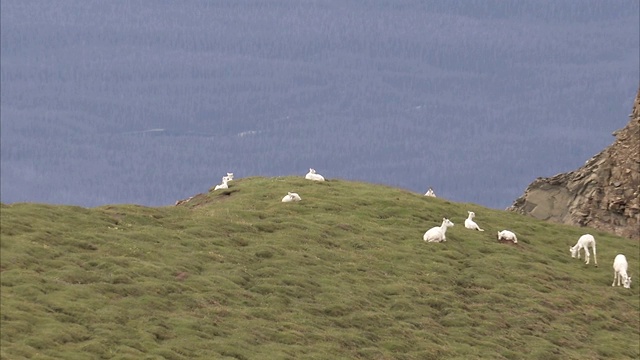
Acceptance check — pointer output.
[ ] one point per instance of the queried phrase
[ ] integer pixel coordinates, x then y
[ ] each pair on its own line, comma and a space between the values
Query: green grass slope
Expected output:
343, 274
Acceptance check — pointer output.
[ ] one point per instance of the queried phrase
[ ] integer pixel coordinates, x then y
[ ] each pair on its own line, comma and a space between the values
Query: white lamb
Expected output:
430, 193
470, 224
224, 184
229, 176
620, 266
506, 235
437, 234
584, 242
291, 197
311, 175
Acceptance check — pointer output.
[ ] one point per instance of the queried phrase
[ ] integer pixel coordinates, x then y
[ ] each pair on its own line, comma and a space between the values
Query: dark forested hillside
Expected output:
152, 101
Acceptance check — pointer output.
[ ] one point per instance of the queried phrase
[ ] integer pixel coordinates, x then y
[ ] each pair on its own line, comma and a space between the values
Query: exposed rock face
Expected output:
603, 194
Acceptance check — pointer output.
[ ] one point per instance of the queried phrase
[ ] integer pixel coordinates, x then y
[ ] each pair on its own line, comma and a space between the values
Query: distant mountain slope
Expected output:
342, 274
603, 194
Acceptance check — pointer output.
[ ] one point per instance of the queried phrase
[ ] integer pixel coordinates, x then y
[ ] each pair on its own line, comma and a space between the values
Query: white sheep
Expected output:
311, 175
291, 196
229, 176
620, 266
430, 193
437, 234
224, 184
584, 242
470, 224
506, 235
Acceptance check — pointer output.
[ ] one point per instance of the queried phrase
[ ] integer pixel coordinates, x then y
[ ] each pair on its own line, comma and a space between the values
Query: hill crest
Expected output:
342, 274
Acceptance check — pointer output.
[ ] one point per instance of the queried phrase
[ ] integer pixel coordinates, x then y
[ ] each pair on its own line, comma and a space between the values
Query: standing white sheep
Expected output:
437, 234
584, 242
470, 224
291, 196
506, 235
620, 266
312, 175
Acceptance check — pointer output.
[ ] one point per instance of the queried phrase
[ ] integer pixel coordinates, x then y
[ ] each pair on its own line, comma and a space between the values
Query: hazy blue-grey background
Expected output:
475, 98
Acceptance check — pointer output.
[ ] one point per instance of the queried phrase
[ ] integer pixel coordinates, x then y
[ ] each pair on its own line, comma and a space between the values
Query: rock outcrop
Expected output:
603, 194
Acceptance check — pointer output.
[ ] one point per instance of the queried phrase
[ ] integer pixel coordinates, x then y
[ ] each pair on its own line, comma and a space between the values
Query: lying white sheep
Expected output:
620, 266
437, 234
506, 235
584, 242
470, 224
291, 197
311, 175
430, 193
224, 184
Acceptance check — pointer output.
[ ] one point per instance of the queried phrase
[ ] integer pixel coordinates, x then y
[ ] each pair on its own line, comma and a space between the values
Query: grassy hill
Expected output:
343, 274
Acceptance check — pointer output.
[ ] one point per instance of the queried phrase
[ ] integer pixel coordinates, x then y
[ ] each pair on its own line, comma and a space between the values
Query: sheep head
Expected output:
574, 251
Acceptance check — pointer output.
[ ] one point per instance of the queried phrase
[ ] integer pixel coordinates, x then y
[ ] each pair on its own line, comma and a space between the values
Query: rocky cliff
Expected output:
603, 194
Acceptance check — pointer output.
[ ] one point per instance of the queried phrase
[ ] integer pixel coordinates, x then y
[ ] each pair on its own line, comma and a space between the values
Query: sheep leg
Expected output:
595, 260
586, 256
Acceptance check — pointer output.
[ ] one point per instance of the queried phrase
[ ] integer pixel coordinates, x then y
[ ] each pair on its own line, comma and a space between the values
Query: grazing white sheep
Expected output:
470, 224
430, 193
224, 184
620, 266
291, 197
229, 176
506, 235
437, 234
584, 242
311, 175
